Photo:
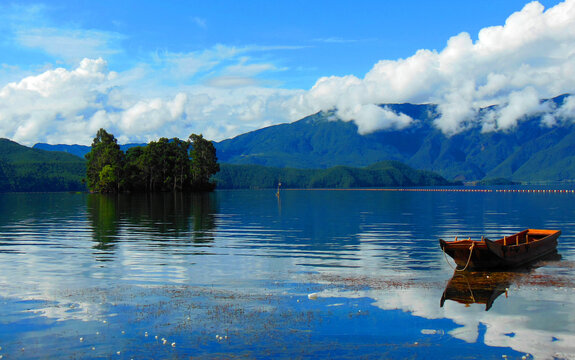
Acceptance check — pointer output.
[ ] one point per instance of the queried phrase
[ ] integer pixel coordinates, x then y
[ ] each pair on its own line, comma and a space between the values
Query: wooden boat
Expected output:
509, 252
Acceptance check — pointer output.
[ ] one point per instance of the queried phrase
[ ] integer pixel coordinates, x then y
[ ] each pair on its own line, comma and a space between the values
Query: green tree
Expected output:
156, 161
136, 173
204, 163
162, 165
105, 164
180, 163
109, 179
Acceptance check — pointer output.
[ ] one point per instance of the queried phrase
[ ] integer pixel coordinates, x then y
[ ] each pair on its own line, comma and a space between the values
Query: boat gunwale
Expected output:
539, 232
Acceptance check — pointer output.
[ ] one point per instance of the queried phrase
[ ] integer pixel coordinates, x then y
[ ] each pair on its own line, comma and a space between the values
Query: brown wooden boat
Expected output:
509, 252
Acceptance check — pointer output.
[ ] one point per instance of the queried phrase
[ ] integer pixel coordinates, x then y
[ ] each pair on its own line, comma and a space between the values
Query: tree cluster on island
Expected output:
160, 166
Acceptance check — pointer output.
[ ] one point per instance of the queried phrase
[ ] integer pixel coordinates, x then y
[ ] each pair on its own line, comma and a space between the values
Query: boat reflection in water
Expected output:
477, 287
483, 287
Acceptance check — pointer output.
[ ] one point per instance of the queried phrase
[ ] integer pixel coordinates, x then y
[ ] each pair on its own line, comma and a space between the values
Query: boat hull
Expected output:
513, 251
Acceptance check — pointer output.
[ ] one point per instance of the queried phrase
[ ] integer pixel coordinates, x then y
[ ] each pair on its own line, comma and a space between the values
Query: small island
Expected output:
160, 166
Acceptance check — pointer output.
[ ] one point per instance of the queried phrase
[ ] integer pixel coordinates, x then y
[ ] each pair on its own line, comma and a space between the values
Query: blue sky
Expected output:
149, 69
302, 40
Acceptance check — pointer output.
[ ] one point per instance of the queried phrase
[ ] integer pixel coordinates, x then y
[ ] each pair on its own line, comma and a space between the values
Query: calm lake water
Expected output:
243, 274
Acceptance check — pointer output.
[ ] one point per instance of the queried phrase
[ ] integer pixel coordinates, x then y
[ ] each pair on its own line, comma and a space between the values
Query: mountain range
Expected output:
529, 152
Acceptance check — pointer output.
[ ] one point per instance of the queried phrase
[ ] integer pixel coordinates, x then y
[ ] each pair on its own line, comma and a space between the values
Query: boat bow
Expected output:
495, 248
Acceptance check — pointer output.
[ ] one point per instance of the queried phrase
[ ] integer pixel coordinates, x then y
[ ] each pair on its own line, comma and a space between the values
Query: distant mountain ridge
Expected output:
529, 152
77, 150
319, 141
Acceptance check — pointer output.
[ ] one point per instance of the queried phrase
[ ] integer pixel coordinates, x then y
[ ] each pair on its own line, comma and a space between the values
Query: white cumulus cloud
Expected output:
54, 104
69, 106
371, 117
532, 54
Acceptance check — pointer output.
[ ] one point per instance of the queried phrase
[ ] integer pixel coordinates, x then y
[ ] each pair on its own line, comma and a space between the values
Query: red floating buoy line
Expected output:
536, 190
467, 190
571, 191
438, 190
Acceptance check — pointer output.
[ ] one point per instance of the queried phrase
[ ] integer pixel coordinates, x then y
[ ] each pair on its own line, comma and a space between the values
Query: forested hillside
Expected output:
26, 169
383, 174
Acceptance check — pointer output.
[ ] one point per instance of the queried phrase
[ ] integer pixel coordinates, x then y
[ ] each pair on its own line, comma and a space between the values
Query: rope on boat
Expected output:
468, 259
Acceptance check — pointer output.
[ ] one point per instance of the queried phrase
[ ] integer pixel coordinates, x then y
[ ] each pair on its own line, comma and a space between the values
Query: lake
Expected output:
312, 274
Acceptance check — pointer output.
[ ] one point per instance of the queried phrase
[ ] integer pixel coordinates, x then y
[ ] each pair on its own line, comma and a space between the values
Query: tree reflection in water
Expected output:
161, 217
103, 215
